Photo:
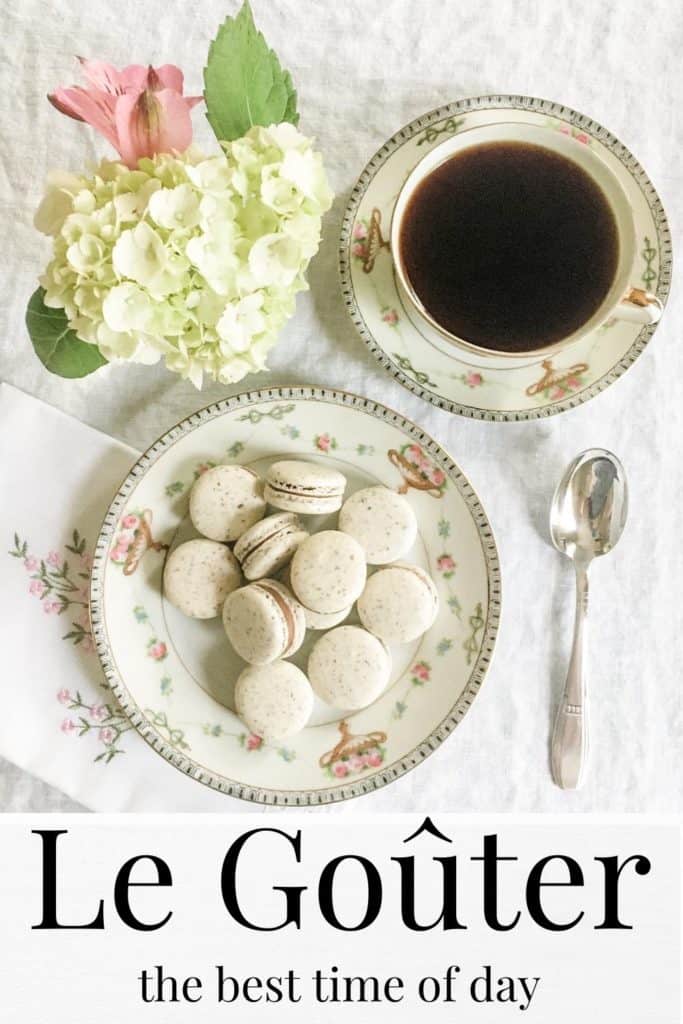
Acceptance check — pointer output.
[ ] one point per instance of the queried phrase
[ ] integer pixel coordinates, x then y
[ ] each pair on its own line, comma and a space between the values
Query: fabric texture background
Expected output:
362, 70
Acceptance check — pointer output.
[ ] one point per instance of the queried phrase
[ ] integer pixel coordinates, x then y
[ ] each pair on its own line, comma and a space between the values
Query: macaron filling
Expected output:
301, 491
279, 525
287, 614
263, 622
280, 531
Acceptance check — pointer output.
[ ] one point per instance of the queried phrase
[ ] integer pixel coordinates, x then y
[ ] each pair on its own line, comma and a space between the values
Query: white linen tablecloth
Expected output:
362, 70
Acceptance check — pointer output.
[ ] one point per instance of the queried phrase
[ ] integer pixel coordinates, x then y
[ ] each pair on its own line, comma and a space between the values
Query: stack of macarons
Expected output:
279, 579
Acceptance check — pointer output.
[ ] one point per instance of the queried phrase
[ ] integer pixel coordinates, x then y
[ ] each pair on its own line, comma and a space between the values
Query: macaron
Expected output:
318, 620
399, 603
328, 571
199, 575
264, 621
382, 522
274, 702
304, 487
269, 544
225, 501
349, 667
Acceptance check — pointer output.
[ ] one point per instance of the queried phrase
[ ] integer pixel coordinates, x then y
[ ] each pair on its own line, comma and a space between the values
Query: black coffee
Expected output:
509, 246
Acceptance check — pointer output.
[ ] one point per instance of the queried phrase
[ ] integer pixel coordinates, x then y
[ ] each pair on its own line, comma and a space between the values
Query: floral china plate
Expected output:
174, 676
521, 392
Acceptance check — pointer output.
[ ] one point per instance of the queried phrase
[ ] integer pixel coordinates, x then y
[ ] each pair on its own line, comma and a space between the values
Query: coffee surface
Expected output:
509, 246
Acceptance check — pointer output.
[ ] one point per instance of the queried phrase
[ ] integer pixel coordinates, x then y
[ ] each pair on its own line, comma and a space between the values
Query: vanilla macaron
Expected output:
399, 603
199, 575
274, 701
382, 522
264, 621
318, 620
225, 501
349, 667
328, 571
268, 545
304, 487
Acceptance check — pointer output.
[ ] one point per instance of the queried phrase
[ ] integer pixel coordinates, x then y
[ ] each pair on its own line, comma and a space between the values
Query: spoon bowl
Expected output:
587, 518
590, 505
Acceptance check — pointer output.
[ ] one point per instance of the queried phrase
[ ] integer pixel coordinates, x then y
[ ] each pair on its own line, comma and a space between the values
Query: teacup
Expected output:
621, 300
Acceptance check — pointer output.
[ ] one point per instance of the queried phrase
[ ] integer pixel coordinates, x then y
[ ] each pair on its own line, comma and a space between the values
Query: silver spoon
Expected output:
586, 520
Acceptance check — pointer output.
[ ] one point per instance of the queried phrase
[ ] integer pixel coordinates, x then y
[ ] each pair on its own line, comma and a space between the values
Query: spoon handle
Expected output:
570, 737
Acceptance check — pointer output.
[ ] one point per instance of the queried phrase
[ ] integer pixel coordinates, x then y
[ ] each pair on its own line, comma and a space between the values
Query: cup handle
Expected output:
639, 307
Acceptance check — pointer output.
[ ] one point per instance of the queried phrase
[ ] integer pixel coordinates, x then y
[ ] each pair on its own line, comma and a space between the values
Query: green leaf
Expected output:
59, 349
244, 83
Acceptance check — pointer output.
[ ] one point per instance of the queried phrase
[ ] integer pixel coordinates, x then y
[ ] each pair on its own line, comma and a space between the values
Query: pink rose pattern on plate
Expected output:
372, 757
420, 673
124, 538
249, 741
156, 649
418, 470
180, 486
446, 567
133, 538
354, 754
325, 443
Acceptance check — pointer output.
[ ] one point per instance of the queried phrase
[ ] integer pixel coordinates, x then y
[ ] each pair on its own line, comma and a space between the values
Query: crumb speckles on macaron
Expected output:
264, 621
382, 522
225, 501
275, 701
198, 577
304, 487
328, 571
399, 603
349, 667
318, 620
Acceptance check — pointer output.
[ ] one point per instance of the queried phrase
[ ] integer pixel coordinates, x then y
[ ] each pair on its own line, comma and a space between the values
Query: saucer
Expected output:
174, 676
414, 354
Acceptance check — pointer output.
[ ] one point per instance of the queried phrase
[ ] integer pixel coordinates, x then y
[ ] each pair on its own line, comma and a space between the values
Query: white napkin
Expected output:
57, 719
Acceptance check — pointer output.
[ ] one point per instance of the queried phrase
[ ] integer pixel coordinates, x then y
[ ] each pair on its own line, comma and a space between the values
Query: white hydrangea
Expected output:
191, 258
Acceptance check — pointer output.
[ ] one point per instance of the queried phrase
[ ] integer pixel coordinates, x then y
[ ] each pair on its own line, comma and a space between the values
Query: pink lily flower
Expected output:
140, 110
